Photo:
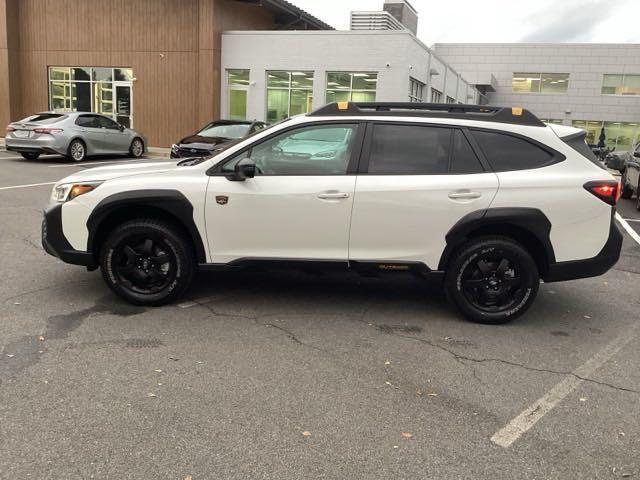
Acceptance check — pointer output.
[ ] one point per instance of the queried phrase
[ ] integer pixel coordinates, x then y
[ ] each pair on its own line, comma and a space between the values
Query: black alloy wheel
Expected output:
147, 262
492, 280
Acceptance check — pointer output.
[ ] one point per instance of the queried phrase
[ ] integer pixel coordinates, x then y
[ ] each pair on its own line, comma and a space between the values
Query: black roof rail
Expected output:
484, 113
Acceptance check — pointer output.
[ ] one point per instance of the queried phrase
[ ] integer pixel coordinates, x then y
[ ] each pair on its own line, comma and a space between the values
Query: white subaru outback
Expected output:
490, 199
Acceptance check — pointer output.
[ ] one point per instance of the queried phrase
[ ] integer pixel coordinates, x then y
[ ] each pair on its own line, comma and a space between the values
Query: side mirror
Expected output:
121, 127
636, 154
245, 168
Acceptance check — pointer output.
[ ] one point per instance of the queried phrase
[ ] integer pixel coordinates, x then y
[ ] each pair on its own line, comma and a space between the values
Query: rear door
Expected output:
416, 181
89, 130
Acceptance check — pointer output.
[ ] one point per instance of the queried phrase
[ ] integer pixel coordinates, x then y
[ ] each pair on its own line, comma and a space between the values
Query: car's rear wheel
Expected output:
137, 148
147, 262
627, 190
77, 150
30, 155
492, 280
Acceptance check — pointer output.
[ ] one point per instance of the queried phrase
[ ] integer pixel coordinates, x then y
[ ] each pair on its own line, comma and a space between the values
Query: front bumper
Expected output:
55, 243
591, 267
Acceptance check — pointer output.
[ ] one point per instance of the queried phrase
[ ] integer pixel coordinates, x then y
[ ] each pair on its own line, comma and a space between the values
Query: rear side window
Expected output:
409, 150
579, 144
506, 152
464, 159
87, 121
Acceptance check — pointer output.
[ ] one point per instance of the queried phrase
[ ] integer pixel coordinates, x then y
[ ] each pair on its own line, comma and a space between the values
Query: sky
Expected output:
599, 21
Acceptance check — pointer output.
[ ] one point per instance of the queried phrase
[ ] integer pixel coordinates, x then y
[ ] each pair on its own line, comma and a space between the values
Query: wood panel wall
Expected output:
173, 47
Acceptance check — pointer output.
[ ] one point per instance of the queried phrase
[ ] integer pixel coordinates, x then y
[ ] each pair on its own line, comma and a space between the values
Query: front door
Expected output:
123, 103
419, 181
298, 206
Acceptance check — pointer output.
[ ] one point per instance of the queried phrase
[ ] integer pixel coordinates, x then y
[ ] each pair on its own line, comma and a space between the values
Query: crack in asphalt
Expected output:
460, 358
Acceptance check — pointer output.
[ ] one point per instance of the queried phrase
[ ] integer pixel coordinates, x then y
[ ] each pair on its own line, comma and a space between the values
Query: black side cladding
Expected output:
172, 202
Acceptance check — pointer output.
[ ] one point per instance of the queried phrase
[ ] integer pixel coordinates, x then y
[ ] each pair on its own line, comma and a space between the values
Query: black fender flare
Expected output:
530, 220
172, 202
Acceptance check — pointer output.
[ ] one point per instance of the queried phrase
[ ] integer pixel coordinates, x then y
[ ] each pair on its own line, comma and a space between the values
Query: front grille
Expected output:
192, 152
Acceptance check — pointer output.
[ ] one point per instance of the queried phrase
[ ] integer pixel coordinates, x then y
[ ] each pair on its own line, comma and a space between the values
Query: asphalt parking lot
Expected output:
293, 375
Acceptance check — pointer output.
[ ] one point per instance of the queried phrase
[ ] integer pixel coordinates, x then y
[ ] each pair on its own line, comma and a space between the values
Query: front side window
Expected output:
351, 86
436, 96
506, 152
312, 150
288, 94
415, 90
104, 122
409, 150
540, 82
621, 84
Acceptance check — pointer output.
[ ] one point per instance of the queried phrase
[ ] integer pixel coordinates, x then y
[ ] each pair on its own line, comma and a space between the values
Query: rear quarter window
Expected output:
507, 152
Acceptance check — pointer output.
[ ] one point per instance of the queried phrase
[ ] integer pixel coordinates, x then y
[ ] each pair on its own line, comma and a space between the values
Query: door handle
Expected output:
464, 195
333, 195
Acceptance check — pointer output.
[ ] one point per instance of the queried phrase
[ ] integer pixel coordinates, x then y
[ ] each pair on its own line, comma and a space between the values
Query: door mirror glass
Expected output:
245, 168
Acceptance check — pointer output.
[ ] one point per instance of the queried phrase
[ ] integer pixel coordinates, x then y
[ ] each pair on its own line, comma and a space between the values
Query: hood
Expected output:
197, 141
116, 171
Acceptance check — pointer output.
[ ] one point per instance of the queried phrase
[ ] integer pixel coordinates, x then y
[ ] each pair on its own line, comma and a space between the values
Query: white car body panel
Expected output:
406, 217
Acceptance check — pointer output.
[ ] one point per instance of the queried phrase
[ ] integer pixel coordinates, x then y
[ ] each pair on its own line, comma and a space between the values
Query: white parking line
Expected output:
27, 186
528, 418
628, 228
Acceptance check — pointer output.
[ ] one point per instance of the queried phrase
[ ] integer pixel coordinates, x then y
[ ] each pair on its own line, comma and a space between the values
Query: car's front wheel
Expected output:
30, 155
147, 262
137, 148
492, 279
77, 150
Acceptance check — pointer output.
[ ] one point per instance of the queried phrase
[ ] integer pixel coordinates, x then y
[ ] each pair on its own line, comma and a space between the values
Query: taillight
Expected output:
47, 130
607, 190
10, 128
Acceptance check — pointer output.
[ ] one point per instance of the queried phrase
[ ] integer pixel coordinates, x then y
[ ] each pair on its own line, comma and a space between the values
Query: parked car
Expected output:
214, 137
630, 181
75, 135
488, 199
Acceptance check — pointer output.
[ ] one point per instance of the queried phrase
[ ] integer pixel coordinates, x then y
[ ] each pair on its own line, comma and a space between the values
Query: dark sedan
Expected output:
214, 137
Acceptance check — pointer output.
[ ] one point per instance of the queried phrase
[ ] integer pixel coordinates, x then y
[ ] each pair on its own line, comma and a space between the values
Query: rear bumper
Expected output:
52, 145
591, 267
55, 243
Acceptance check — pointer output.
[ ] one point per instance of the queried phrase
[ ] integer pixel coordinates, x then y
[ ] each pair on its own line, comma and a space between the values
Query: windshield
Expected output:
225, 130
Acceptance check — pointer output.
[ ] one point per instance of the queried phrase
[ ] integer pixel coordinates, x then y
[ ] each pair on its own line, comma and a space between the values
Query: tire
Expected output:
130, 262
638, 199
77, 150
30, 155
136, 150
626, 189
485, 288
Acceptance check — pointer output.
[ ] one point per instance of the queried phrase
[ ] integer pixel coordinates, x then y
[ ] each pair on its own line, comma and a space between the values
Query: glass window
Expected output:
103, 97
80, 73
436, 96
621, 84
60, 96
450, 99
351, 86
619, 135
87, 121
104, 122
464, 159
415, 90
238, 77
540, 82
81, 96
506, 152
123, 74
225, 130
59, 73
409, 150
288, 93
312, 150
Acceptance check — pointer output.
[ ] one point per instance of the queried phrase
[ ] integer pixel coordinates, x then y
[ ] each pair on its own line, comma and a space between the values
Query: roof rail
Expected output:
484, 113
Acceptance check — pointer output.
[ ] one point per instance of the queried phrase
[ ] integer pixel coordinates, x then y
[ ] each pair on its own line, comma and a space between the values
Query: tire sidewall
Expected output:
466, 255
178, 247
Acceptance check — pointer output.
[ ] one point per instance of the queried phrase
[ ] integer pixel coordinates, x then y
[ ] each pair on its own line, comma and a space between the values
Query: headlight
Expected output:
174, 147
69, 191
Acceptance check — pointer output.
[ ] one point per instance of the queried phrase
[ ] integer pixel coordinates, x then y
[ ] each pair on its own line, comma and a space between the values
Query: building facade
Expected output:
590, 86
154, 65
272, 75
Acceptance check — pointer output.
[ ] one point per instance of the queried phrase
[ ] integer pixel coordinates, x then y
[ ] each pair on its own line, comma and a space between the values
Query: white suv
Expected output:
488, 198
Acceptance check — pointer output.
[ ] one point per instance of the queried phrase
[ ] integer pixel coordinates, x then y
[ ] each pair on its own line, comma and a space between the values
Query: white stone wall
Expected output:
394, 55
586, 64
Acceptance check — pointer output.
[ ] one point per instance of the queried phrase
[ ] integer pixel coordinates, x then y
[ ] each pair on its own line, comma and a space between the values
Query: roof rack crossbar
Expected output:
485, 113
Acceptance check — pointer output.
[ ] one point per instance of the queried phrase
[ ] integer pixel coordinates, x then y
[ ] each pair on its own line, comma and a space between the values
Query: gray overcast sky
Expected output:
607, 21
